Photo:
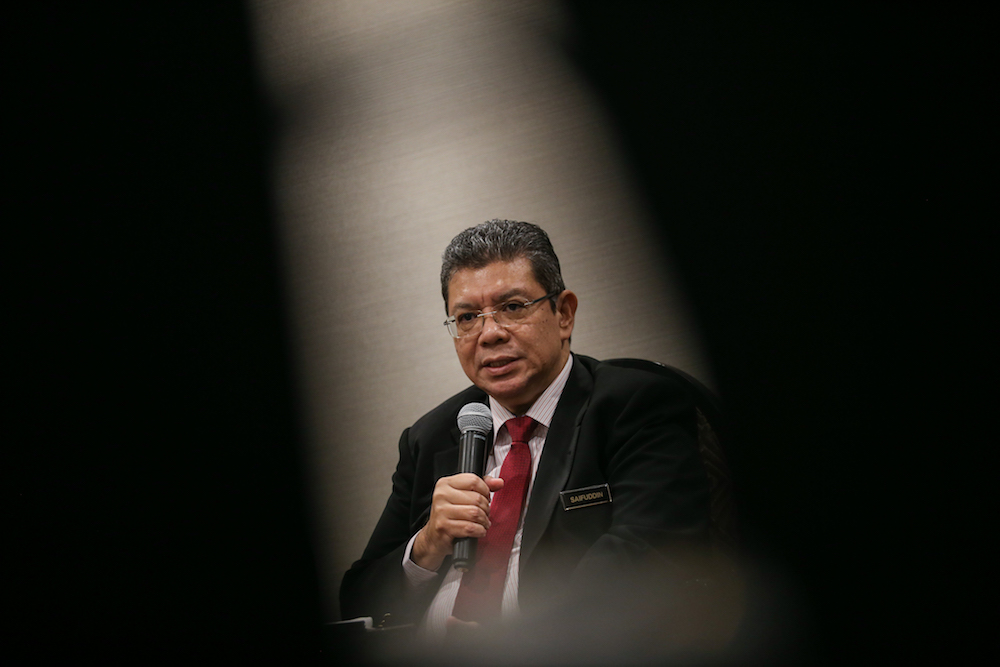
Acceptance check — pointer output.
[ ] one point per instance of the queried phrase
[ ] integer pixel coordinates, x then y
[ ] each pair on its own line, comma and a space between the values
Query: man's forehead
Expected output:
493, 283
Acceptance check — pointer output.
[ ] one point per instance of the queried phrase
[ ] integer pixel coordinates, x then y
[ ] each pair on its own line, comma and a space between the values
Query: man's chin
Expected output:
514, 399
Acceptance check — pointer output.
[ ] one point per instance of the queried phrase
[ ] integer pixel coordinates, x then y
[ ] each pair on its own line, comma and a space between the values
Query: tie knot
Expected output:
520, 428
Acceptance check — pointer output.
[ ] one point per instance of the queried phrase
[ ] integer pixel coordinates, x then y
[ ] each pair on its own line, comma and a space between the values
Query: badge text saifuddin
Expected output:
585, 497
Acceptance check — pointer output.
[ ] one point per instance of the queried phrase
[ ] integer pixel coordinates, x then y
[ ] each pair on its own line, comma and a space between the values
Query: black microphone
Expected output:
474, 421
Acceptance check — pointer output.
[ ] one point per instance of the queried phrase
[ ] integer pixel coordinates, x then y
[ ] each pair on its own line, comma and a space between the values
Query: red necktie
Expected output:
481, 593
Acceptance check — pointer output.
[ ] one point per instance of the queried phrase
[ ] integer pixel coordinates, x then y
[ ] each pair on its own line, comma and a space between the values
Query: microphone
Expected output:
474, 421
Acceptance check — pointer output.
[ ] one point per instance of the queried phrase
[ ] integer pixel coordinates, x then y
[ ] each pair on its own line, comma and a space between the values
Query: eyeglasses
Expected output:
515, 311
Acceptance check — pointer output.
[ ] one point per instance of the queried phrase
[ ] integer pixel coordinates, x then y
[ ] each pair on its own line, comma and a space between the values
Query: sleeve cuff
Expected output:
416, 576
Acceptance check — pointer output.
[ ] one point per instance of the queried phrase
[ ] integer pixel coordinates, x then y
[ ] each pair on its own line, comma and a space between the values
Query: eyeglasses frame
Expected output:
483, 313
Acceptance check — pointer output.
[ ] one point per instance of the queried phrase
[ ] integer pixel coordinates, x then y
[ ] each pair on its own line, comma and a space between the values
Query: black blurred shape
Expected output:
818, 173
157, 501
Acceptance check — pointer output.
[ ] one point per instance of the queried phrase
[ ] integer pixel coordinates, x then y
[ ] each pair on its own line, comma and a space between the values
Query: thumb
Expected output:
494, 483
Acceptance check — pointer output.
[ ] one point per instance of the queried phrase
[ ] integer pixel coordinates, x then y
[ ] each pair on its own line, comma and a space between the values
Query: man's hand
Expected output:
460, 507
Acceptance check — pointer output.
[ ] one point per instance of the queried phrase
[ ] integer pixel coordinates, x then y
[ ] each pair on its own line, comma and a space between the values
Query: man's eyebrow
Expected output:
502, 298
510, 294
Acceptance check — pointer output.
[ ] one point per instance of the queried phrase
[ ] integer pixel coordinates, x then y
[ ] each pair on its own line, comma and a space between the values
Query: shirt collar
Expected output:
542, 409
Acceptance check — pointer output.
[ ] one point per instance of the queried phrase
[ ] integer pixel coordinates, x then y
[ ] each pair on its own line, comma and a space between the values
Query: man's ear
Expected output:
566, 313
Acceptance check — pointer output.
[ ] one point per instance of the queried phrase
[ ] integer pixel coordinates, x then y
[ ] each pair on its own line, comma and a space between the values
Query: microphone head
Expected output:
475, 417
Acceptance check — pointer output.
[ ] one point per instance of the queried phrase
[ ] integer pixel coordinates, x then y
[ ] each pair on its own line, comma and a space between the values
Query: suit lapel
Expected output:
557, 456
446, 461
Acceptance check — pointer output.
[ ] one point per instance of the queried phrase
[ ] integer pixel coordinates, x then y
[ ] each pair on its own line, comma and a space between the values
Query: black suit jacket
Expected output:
628, 428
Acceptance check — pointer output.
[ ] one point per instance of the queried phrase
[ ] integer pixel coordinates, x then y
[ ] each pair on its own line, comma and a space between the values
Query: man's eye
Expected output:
465, 318
513, 307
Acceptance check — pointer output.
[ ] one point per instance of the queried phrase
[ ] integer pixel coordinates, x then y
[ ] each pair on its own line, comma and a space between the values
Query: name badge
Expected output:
585, 497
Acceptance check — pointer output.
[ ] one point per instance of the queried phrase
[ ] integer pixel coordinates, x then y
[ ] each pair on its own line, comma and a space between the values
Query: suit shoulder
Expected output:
649, 375
635, 386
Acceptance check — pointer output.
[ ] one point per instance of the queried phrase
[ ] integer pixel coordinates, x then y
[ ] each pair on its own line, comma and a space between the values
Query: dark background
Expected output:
157, 497
819, 174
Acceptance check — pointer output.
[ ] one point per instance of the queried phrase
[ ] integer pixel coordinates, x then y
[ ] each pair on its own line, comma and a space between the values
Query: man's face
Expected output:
513, 365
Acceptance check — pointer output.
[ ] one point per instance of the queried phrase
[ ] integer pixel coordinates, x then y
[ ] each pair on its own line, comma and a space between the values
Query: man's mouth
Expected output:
497, 363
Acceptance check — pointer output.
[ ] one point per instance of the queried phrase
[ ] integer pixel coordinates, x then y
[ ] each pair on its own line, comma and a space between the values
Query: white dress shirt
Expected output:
434, 623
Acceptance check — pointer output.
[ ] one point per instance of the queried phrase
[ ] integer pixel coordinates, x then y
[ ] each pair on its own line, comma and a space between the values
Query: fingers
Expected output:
462, 498
468, 482
460, 507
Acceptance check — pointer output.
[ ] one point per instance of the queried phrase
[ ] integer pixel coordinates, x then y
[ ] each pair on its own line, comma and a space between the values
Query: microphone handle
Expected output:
471, 458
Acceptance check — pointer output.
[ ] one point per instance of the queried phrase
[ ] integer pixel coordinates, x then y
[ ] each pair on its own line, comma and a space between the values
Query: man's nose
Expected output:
492, 331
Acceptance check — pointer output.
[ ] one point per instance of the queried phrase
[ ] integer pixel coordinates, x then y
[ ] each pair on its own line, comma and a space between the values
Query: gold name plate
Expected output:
585, 497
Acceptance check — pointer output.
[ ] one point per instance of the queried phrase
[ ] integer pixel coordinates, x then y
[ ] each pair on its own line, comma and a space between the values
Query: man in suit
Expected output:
615, 495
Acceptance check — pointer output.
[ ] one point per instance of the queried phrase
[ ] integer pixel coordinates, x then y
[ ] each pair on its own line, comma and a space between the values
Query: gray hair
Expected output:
502, 241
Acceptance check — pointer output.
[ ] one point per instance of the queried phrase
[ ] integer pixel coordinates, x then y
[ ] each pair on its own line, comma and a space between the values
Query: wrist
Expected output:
423, 555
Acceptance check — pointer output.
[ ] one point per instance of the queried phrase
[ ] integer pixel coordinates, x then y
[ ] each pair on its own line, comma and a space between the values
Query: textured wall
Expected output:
403, 123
